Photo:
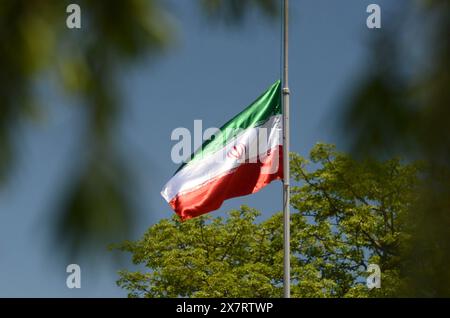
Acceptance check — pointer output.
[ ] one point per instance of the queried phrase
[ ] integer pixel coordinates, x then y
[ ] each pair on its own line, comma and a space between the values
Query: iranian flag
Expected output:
241, 158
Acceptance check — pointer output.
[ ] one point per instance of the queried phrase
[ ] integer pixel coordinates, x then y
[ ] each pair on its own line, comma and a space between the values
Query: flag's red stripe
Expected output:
245, 179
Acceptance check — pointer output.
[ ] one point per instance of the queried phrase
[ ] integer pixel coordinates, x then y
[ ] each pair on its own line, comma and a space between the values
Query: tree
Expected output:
348, 214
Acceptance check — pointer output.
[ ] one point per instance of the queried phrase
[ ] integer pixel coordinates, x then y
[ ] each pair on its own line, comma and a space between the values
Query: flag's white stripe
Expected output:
197, 173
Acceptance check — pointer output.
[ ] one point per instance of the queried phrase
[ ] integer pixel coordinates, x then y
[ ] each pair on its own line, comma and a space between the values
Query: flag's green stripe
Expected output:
265, 106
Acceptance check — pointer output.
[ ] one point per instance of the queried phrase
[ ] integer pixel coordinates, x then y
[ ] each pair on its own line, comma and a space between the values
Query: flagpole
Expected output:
286, 172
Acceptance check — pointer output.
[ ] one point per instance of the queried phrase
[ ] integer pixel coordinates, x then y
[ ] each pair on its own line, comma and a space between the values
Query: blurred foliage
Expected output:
96, 206
348, 214
396, 112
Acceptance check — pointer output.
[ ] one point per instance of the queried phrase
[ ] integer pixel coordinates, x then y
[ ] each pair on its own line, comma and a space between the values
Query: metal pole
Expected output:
286, 172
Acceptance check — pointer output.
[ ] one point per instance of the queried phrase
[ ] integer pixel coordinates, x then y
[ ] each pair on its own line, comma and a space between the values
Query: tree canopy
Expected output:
348, 214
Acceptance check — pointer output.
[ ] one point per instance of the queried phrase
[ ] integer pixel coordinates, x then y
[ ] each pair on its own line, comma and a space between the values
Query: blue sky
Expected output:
210, 73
